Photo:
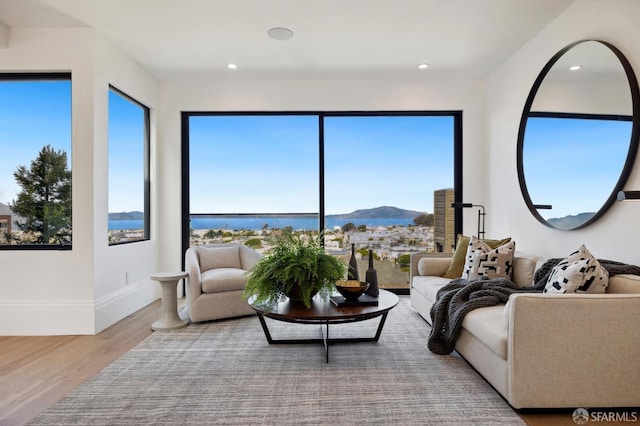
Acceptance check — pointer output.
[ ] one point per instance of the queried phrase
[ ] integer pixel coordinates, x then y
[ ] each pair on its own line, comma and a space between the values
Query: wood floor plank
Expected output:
35, 372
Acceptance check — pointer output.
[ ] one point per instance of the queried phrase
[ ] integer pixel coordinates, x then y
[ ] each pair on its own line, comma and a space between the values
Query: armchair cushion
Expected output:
219, 257
223, 279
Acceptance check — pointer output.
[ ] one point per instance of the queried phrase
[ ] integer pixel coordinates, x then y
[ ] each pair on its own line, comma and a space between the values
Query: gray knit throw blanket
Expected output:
456, 299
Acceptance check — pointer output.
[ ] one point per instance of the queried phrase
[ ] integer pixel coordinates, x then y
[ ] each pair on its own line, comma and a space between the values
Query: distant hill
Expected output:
126, 216
570, 221
384, 212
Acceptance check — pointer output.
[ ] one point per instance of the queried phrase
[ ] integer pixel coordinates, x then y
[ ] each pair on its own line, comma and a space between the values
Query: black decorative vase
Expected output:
371, 277
352, 272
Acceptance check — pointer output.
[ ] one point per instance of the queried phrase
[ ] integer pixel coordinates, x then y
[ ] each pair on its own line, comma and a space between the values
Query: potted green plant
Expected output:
298, 268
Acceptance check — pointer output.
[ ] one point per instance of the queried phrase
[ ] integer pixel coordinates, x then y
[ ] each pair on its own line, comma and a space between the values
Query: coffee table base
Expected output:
325, 339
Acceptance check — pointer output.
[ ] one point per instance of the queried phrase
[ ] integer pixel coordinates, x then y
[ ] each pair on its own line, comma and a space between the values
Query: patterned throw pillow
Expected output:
578, 273
483, 261
460, 255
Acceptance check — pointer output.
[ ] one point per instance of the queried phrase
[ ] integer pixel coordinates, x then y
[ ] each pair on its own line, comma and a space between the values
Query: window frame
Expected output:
146, 170
45, 76
184, 124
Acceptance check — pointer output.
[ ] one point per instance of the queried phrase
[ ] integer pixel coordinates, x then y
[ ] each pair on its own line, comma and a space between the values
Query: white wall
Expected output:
80, 291
309, 95
122, 283
613, 236
44, 292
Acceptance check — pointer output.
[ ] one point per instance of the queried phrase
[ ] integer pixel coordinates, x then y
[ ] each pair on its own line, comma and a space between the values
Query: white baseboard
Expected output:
115, 306
46, 317
74, 317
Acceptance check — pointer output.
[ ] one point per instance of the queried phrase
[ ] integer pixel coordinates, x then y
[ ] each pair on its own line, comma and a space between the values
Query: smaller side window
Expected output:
128, 169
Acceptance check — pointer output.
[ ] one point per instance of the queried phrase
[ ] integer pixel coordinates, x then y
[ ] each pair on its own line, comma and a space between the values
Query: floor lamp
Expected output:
481, 215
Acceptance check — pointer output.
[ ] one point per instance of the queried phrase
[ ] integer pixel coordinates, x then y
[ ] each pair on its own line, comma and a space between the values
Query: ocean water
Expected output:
256, 223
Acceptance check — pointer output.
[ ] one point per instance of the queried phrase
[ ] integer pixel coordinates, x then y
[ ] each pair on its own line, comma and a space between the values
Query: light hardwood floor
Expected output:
35, 372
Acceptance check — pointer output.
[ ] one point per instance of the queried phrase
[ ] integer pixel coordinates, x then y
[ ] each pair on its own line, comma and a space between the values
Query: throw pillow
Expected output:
580, 272
219, 257
460, 255
484, 261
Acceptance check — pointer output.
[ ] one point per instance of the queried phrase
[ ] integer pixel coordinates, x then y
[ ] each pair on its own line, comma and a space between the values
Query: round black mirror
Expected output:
578, 134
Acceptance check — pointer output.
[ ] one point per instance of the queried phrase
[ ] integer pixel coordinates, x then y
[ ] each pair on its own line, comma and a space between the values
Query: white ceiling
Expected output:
333, 38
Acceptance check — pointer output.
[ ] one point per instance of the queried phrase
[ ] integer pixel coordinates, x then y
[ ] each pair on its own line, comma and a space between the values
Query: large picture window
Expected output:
35, 161
363, 179
128, 169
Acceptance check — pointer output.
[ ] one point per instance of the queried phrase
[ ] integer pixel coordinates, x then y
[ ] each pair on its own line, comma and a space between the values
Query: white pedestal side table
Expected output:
169, 319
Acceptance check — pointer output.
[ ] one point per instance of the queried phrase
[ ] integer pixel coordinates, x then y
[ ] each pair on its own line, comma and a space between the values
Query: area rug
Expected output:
224, 372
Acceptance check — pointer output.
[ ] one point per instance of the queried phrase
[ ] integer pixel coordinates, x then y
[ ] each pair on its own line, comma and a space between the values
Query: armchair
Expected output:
217, 280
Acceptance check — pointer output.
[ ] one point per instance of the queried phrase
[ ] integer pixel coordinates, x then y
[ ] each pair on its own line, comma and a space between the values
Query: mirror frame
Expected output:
633, 142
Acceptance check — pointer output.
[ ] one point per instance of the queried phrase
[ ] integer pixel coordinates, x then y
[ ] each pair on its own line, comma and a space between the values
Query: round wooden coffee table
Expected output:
325, 312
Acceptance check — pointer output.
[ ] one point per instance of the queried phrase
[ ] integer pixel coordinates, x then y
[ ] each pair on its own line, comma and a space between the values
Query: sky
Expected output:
245, 164
32, 115
126, 154
573, 164
269, 163
36, 113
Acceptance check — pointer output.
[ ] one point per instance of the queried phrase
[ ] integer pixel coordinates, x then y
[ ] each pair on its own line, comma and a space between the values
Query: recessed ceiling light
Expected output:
280, 33
575, 67
423, 66
232, 66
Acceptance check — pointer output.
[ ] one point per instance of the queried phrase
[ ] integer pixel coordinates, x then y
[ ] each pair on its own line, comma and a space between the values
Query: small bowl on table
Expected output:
351, 289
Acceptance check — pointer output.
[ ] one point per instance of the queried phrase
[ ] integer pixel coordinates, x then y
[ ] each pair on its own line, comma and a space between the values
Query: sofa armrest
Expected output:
437, 263
573, 350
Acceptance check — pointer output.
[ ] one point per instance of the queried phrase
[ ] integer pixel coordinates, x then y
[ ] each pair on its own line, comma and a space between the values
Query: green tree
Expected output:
254, 243
212, 233
404, 261
44, 201
348, 227
362, 228
424, 220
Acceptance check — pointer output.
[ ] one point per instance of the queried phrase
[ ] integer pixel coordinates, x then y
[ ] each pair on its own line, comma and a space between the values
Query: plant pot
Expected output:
295, 294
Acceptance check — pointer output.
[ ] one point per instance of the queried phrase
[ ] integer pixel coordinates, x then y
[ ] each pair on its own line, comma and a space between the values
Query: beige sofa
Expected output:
547, 350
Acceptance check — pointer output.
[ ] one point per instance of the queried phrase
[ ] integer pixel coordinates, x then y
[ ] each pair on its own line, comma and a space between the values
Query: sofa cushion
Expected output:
580, 272
482, 260
219, 257
223, 279
524, 266
624, 283
488, 325
460, 254
428, 286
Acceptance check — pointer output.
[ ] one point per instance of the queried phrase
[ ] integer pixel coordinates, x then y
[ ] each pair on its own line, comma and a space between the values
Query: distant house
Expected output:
5, 222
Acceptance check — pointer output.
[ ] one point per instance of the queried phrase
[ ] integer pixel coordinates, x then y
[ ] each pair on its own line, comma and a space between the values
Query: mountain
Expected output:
384, 212
570, 221
126, 216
